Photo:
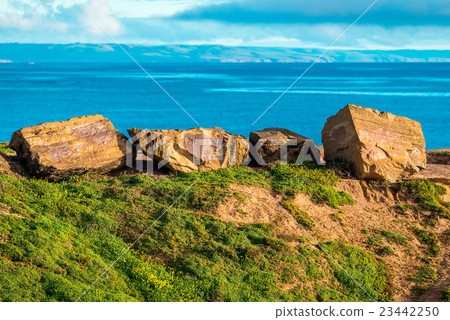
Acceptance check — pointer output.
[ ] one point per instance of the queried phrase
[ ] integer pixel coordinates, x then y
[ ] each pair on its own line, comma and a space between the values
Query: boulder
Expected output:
380, 145
79, 145
271, 142
198, 149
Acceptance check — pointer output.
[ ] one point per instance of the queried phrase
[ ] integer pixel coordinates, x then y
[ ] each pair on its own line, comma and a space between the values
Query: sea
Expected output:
232, 96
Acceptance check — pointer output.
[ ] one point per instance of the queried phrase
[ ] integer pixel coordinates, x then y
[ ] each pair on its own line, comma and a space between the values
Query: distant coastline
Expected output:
79, 52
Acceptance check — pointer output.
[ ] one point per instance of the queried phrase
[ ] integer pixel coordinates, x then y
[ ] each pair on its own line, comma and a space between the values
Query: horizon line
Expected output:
223, 45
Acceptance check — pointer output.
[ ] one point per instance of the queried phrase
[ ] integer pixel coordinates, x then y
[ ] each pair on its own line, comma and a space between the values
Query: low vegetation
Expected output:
4, 148
300, 216
427, 238
425, 273
309, 179
393, 237
58, 238
428, 196
446, 295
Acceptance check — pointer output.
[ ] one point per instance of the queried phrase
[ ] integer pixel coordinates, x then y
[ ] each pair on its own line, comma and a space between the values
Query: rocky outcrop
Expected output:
79, 145
379, 144
270, 143
198, 149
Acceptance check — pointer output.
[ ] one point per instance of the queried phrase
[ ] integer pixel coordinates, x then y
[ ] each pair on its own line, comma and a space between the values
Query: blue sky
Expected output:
391, 24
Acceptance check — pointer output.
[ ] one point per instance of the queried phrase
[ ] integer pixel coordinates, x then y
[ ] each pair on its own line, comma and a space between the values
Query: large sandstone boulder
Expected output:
271, 142
198, 149
79, 145
379, 144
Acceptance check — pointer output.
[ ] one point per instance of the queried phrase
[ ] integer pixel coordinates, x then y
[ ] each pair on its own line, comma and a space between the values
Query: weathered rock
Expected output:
379, 144
271, 142
198, 149
79, 145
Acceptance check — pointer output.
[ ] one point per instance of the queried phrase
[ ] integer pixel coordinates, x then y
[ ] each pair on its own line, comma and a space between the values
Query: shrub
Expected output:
317, 182
428, 238
428, 195
300, 216
361, 269
446, 295
71, 231
393, 237
425, 273
5, 148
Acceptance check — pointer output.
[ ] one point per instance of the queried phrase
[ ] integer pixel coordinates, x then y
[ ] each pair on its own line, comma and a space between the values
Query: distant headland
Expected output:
79, 52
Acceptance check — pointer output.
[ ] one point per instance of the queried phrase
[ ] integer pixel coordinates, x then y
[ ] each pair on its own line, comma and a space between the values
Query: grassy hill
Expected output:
230, 237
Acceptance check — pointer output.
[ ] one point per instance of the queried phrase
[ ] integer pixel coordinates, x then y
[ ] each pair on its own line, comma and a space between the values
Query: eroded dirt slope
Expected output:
368, 224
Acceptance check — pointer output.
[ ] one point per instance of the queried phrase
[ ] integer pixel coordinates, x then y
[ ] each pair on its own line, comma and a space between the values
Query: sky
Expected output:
390, 24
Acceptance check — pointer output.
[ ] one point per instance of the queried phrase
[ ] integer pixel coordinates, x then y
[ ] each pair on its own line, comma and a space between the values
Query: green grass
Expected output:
4, 148
63, 235
338, 216
361, 266
428, 196
374, 241
419, 290
315, 181
300, 216
426, 273
428, 238
239, 197
439, 153
405, 207
385, 251
446, 295
393, 237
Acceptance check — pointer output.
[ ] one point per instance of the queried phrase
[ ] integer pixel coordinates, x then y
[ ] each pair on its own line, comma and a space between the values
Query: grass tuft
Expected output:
65, 234
428, 238
300, 216
428, 196
5, 148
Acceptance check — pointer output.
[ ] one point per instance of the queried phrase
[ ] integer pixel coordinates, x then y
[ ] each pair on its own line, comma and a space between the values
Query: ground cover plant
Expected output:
57, 238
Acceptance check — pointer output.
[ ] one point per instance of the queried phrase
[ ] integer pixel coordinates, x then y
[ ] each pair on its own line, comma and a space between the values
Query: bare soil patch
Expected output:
375, 211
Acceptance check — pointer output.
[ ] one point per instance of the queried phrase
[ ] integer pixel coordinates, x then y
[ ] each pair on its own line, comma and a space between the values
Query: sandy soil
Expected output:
374, 210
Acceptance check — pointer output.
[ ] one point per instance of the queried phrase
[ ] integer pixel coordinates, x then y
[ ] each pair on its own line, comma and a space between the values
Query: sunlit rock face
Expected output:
198, 149
79, 145
379, 144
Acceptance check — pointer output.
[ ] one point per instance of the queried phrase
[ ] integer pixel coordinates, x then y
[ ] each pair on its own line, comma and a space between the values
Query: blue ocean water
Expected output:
228, 95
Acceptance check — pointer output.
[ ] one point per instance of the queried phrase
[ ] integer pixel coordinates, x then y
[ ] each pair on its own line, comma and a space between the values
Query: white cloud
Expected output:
218, 41
61, 21
16, 21
148, 9
282, 42
31, 22
99, 18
